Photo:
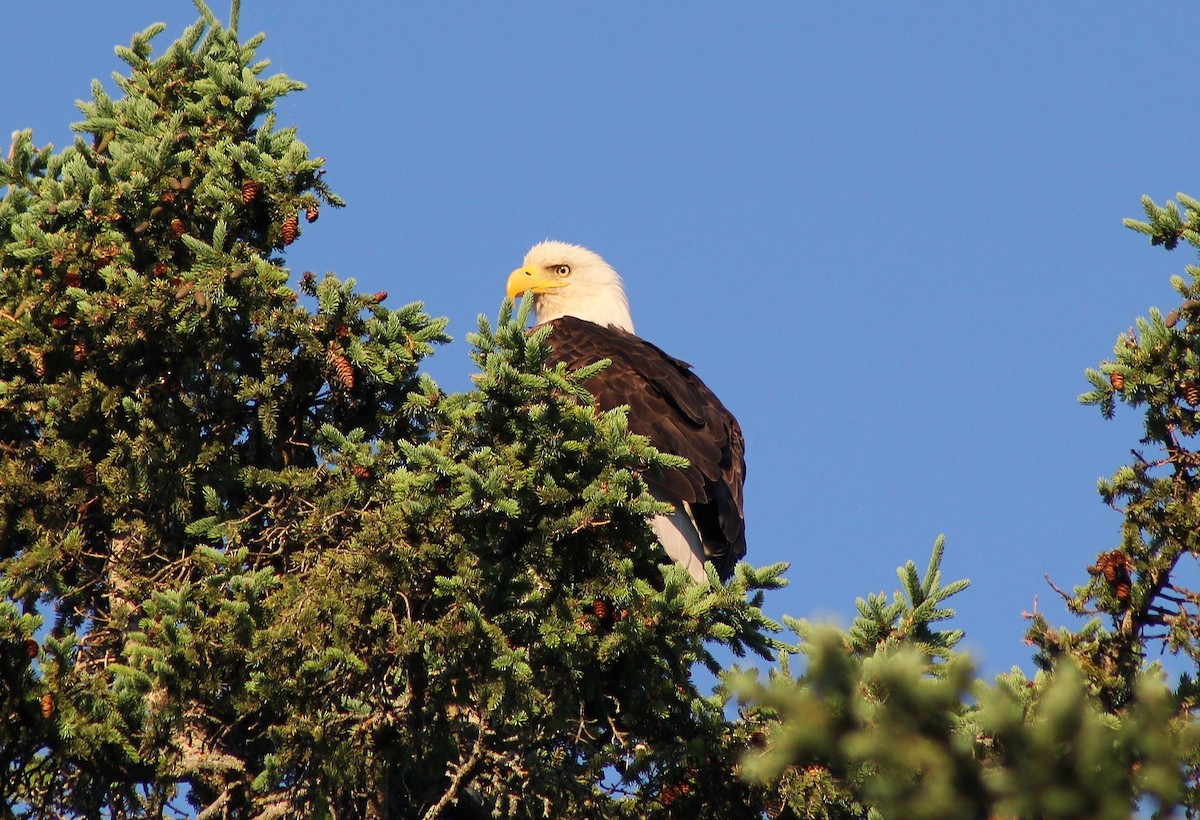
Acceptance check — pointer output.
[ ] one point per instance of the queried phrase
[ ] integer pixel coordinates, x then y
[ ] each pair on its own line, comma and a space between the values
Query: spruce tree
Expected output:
253, 563
888, 720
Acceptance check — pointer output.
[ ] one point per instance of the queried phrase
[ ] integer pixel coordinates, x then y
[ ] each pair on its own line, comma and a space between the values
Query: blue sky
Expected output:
888, 236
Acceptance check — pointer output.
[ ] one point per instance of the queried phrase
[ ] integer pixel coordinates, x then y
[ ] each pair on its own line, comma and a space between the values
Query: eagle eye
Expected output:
563, 270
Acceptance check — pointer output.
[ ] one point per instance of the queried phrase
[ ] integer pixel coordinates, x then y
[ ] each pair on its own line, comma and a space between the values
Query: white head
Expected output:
569, 280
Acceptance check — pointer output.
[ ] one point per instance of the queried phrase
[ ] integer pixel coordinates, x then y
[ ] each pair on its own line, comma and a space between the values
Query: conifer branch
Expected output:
206, 13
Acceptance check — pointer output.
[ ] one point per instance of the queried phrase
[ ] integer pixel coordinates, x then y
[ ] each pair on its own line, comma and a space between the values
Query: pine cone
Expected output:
72, 279
360, 471
31, 648
1117, 381
1113, 565
1104, 566
160, 268
1191, 392
602, 610
60, 321
345, 370
79, 352
39, 364
291, 227
379, 296
1124, 562
47, 705
249, 191
312, 212
1116, 567
177, 227
88, 472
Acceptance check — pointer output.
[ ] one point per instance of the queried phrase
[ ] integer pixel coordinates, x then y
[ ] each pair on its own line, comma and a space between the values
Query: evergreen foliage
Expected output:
247, 549
887, 720
253, 563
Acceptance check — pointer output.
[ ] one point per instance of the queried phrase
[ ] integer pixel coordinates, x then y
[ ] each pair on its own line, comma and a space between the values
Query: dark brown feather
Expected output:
671, 406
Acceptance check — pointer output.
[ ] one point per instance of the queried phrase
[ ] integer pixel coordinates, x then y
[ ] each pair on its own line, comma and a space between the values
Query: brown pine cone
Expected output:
290, 229
345, 370
1191, 392
602, 610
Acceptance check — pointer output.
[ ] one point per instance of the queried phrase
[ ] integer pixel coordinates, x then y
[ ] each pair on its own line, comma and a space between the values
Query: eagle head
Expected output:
569, 280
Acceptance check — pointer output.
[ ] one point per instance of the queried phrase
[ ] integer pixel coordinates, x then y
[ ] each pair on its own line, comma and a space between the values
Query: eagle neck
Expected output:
606, 312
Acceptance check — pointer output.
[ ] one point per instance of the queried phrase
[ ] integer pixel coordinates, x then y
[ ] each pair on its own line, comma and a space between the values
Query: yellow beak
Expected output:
523, 279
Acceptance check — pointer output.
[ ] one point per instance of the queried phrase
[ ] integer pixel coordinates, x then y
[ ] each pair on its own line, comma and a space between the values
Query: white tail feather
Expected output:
679, 538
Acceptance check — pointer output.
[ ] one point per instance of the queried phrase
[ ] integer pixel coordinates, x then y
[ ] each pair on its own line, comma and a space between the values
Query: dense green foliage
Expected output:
245, 547
253, 563
888, 720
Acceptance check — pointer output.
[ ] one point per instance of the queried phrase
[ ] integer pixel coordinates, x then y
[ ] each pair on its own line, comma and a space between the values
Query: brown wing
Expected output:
671, 406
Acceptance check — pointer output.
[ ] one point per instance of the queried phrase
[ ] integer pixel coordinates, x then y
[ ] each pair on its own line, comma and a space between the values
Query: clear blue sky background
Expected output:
888, 235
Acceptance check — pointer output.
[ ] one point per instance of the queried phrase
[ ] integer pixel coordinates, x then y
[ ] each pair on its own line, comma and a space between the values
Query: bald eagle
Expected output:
578, 293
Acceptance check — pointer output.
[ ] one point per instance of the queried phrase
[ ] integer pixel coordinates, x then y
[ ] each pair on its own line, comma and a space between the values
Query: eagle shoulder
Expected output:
669, 404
